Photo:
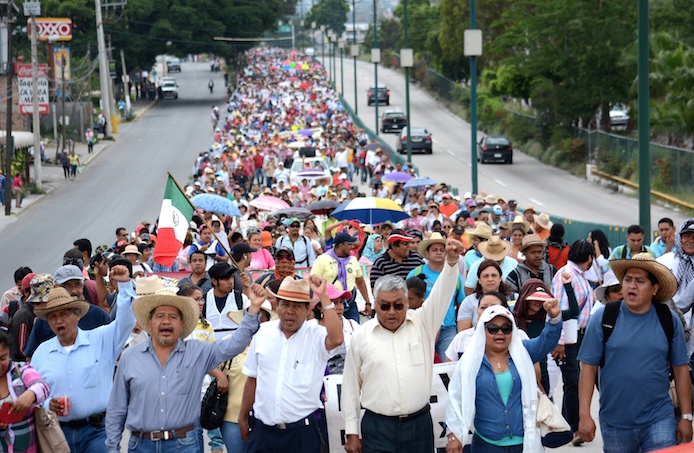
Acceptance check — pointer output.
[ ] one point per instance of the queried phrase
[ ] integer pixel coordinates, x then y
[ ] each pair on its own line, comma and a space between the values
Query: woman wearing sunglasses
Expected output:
494, 387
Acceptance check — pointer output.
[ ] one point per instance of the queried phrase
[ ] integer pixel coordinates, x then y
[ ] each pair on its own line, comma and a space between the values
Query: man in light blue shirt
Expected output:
78, 364
666, 238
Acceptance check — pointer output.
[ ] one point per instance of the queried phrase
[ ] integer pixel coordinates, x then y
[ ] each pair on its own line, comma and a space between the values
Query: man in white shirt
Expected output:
285, 367
281, 174
397, 344
223, 298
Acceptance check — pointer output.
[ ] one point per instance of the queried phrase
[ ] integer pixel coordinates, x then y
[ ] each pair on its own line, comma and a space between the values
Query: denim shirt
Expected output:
493, 419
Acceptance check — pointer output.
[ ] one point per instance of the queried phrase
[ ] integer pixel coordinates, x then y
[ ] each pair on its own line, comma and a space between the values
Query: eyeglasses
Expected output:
73, 285
387, 307
493, 329
285, 258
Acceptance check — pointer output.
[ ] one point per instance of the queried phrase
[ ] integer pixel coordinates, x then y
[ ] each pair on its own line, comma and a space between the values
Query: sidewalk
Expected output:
52, 173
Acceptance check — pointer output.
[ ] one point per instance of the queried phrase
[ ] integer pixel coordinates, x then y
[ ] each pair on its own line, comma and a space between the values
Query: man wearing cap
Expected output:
156, 390
23, 321
223, 297
198, 275
511, 212
281, 174
284, 267
389, 366
636, 411
217, 229
398, 260
495, 249
633, 246
339, 267
78, 364
447, 205
304, 255
533, 266
542, 225
213, 250
529, 214
434, 250
285, 367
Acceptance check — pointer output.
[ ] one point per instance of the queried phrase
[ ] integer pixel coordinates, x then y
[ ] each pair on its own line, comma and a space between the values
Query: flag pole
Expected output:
203, 218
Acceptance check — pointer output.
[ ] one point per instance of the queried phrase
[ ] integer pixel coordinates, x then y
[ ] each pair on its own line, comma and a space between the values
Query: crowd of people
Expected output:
266, 304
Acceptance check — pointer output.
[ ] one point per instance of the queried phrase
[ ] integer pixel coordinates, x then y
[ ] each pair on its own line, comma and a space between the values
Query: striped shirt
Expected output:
385, 265
582, 289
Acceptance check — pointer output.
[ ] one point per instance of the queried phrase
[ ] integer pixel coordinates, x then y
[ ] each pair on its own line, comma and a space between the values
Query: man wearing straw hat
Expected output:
78, 364
156, 391
285, 367
636, 412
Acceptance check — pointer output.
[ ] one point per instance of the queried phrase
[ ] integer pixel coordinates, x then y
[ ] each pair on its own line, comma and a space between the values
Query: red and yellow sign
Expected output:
60, 27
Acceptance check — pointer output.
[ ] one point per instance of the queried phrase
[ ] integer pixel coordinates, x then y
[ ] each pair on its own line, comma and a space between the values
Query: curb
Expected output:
143, 111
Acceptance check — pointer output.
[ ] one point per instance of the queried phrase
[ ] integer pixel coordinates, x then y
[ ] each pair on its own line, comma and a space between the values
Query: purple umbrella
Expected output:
306, 132
311, 173
397, 176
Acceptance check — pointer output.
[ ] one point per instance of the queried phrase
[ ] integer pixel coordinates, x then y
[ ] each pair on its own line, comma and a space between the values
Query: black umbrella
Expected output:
322, 206
300, 213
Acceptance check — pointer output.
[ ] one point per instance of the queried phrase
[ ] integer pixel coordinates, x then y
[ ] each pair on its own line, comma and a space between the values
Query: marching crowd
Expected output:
261, 306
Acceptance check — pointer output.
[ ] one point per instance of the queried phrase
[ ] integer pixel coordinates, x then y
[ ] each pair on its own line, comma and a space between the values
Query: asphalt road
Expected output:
527, 180
123, 185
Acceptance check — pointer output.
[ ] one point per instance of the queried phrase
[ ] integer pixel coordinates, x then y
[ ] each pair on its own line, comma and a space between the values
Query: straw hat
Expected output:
495, 249
481, 230
152, 294
295, 291
131, 249
666, 280
530, 240
518, 220
435, 238
236, 316
543, 221
60, 299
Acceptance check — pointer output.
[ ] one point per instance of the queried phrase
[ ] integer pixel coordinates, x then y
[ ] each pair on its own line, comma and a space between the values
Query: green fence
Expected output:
575, 230
443, 86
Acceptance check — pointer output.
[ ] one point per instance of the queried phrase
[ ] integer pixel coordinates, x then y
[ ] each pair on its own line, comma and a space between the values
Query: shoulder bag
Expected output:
49, 435
214, 405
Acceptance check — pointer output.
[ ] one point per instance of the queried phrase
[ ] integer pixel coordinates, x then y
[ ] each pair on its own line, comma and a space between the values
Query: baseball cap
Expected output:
67, 272
285, 249
343, 237
334, 293
40, 287
241, 248
470, 202
494, 311
398, 235
26, 281
496, 209
221, 270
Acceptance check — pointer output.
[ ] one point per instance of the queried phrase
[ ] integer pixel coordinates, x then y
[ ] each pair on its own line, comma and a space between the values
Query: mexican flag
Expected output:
174, 220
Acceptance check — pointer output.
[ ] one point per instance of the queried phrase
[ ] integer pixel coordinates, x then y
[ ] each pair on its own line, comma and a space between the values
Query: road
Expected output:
123, 185
532, 183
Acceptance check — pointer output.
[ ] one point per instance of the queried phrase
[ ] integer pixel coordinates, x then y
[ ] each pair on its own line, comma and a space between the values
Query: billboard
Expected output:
26, 106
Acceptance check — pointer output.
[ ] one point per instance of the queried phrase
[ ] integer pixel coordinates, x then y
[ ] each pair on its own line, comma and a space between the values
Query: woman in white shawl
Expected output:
494, 388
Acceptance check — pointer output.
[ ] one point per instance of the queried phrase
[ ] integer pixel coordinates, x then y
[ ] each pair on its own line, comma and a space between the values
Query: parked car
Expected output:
420, 140
619, 116
495, 148
393, 120
169, 89
383, 95
173, 65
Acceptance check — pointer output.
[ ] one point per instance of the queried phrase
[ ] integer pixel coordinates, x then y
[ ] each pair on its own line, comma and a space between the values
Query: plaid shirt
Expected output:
582, 289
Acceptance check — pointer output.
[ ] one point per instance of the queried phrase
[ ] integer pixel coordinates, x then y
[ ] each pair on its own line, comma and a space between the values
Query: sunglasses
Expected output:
284, 257
493, 329
294, 226
387, 307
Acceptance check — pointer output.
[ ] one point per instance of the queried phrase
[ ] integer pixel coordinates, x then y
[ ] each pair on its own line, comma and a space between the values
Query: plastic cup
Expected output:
65, 401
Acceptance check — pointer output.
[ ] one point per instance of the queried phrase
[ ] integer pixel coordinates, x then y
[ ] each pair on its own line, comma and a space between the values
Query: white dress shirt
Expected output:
289, 371
392, 371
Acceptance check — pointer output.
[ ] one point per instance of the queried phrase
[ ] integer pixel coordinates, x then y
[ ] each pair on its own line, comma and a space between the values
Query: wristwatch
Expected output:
451, 438
688, 417
328, 307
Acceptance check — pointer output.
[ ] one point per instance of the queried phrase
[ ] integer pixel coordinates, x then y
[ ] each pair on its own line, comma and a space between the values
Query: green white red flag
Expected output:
174, 220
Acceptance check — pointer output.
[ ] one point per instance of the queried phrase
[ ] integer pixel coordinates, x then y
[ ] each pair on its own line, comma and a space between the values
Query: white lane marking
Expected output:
450, 152
503, 185
536, 202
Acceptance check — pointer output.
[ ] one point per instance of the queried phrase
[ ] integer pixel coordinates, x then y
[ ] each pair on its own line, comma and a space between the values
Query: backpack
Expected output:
418, 270
237, 295
611, 313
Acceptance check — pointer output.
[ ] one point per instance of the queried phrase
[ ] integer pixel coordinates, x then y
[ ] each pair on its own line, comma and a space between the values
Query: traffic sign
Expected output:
32, 9
25, 89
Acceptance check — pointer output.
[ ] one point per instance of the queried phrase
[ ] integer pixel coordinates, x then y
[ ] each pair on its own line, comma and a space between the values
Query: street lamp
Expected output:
354, 51
472, 47
407, 61
341, 45
313, 39
322, 44
375, 59
301, 32
333, 47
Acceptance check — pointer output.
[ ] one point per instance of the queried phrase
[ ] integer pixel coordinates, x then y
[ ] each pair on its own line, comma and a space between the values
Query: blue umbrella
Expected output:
216, 203
398, 176
306, 132
420, 182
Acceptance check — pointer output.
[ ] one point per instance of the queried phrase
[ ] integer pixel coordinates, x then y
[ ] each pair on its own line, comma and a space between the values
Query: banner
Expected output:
443, 373
26, 104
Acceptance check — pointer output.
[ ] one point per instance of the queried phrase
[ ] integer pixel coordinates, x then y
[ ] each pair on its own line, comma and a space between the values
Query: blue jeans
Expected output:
215, 436
480, 446
88, 439
446, 335
187, 444
258, 177
660, 434
232, 437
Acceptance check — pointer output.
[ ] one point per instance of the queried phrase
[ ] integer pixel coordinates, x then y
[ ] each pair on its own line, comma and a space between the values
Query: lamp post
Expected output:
301, 33
33, 9
644, 118
407, 61
354, 51
375, 59
313, 37
341, 45
322, 44
472, 47
333, 39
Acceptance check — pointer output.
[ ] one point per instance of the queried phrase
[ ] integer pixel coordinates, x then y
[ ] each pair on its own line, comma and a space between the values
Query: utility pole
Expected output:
376, 62
126, 81
104, 77
354, 47
9, 142
644, 118
63, 140
36, 120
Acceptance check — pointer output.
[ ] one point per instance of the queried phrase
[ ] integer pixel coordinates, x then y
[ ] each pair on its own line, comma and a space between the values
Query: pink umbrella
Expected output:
268, 203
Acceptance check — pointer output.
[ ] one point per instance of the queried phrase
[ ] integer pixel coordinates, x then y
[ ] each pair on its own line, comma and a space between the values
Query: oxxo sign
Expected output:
25, 89
61, 27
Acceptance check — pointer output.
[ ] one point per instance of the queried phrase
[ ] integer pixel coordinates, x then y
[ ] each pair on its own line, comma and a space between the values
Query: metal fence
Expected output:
575, 230
443, 86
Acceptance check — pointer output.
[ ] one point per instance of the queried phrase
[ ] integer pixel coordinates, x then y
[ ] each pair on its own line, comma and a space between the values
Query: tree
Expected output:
331, 13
